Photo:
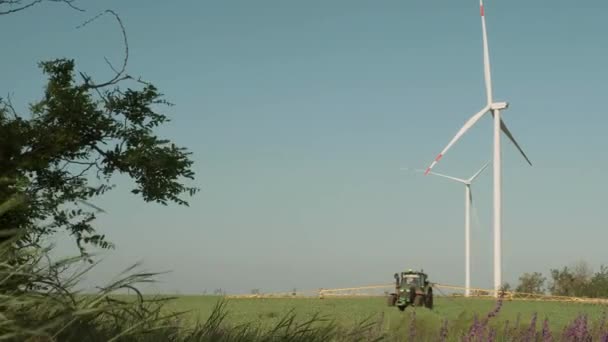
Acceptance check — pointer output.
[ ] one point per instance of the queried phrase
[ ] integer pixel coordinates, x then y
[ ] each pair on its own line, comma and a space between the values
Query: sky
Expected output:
301, 116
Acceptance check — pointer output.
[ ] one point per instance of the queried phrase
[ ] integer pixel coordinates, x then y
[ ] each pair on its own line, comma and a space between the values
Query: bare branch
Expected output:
70, 4
87, 80
92, 206
8, 106
111, 66
88, 164
19, 6
119, 73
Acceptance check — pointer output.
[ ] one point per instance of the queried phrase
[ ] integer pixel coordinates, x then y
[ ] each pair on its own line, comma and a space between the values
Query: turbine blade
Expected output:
460, 133
448, 177
486, 55
479, 172
419, 170
470, 195
411, 170
506, 131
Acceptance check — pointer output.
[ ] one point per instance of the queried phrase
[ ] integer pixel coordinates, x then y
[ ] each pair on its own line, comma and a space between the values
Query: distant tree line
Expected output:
575, 281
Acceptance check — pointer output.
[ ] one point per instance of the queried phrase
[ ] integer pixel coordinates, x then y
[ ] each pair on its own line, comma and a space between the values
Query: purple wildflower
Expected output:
583, 329
547, 336
531, 335
474, 330
570, 331
478, 328
602, 325
604, 337
578, 330
497, 308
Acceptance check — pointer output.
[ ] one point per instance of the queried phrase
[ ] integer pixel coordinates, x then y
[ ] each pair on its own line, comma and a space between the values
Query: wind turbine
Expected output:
494, 108
468, 201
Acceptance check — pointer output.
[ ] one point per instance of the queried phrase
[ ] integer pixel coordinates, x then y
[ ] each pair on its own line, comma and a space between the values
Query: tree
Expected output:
582, 273
531, 283
562, 282
578, 281
598, 285
76, 138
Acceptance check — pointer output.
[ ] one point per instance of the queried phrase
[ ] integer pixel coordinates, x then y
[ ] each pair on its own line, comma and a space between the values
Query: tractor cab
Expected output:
411, 279
411, 288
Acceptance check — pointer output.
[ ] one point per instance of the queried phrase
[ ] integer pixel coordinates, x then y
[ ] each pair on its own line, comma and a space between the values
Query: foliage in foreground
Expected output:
72, 143
39, 302
50, 309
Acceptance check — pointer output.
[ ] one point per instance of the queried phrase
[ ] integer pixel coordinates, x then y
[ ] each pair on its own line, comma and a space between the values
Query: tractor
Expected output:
411, 288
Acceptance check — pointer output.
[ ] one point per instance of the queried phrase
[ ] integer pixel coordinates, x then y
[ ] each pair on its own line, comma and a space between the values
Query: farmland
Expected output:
347, 312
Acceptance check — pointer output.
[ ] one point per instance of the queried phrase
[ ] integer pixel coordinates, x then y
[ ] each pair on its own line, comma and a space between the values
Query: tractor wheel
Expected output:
419, 300
429, 300
401, 307
392, 299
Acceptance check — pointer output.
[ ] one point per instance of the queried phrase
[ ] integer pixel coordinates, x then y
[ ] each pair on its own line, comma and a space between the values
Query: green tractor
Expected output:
411, 288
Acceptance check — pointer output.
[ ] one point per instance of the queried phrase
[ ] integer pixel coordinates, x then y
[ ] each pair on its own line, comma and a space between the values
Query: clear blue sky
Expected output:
301, 114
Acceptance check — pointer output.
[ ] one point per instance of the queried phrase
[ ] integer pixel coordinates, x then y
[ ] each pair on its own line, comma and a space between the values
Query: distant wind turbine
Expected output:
468, 202
494, 108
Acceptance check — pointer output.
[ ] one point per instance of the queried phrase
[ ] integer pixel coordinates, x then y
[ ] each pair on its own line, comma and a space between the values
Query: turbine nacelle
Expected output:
499, 106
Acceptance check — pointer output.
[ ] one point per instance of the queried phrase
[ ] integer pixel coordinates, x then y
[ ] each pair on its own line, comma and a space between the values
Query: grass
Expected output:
39, 302
346, 312
59, 314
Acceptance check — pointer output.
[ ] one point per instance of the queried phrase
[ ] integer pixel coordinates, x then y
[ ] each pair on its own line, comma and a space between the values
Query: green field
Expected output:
348, 311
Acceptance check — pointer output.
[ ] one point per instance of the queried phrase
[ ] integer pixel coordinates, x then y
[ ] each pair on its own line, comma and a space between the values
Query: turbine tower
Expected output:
494, 108
468, 201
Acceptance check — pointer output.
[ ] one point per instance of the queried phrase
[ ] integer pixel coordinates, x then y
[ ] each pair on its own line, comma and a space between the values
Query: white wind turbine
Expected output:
494, 108
468, 201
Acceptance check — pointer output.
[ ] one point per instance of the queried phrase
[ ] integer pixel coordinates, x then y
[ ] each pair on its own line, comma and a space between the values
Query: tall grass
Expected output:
39, 302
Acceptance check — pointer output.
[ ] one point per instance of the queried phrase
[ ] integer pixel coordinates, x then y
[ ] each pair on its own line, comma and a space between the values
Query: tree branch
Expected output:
8, 105
119, 73
20, 6
17, 9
